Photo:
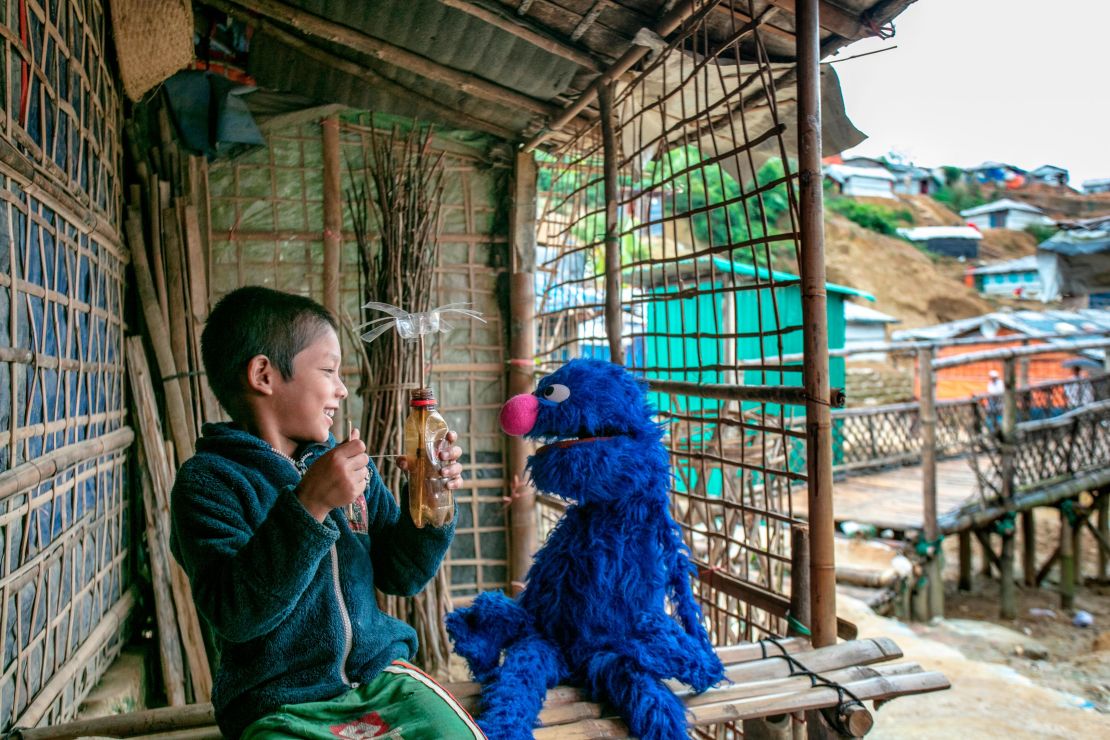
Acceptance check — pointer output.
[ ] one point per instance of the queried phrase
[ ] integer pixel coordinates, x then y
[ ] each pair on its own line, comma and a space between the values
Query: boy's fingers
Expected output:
352, 447
452, 454
452, 437
452, 471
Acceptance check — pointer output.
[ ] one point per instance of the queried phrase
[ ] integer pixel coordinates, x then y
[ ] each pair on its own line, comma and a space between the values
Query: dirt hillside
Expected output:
1006, 244
907, 283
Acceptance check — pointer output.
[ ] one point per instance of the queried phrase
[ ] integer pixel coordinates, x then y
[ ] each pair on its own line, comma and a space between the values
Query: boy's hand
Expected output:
336, 479
452, 471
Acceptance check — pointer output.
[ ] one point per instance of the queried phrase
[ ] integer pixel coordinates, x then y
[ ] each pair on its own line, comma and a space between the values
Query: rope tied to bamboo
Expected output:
845, 698
1004, 525
1067, 508
928, 549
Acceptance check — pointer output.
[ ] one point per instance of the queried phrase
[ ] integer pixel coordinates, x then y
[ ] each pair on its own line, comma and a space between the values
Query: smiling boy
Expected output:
281, 574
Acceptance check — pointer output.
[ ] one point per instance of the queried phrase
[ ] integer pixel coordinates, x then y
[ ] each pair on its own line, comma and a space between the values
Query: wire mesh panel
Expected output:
707, 231
268, 229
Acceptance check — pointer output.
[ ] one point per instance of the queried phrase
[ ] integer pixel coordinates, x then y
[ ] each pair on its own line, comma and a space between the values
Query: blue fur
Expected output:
594, 611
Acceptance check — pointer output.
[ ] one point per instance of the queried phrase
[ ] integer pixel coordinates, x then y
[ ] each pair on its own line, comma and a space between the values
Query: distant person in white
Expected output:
995, 386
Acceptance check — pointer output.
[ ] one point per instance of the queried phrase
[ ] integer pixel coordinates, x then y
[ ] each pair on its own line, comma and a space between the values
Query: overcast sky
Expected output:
1017, 81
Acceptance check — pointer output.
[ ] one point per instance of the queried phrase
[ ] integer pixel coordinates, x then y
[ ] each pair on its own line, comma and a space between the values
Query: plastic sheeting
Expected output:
1075, 262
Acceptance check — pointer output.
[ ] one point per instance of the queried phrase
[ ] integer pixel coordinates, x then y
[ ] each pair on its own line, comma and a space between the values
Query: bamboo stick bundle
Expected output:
401, 189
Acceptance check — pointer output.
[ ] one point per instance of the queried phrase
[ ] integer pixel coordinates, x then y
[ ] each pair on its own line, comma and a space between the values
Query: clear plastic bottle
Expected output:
430, 500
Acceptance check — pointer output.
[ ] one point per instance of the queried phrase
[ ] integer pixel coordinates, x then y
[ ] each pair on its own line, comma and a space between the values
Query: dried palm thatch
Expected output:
402, 187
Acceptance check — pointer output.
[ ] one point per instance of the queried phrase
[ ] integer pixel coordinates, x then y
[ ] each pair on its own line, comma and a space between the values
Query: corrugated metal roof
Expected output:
1005, 204
925, 233
1021, 264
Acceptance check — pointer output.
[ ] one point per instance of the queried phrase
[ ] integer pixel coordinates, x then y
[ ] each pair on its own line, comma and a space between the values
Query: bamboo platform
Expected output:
763, 683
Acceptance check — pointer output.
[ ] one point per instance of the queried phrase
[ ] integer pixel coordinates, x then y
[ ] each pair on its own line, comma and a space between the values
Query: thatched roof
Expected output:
507, 68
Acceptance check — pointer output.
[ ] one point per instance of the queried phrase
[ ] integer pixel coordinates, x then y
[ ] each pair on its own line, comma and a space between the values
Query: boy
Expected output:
284, 579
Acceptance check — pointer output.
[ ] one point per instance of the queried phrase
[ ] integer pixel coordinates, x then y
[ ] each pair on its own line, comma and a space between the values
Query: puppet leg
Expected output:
481, 630
651, 710
512, 703
665, 650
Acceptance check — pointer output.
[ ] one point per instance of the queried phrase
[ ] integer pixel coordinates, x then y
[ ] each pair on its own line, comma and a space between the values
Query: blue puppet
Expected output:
594, 612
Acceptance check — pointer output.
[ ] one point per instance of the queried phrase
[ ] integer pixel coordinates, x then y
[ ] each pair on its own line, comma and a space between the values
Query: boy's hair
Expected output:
255, 321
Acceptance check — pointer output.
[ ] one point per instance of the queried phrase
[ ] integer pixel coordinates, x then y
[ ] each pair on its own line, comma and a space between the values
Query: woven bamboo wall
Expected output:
267, 229
64, 515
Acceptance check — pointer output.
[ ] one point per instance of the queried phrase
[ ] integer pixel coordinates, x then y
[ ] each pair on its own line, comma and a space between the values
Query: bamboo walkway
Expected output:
892, 499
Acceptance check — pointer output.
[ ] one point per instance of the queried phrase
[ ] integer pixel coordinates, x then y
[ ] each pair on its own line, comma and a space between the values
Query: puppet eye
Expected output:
556, 393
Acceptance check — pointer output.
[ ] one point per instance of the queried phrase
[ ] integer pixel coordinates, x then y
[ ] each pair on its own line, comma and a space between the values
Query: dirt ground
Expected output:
907, 283
1036, 676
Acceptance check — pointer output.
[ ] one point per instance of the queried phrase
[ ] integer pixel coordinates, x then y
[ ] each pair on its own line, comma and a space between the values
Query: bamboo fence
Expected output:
662, 239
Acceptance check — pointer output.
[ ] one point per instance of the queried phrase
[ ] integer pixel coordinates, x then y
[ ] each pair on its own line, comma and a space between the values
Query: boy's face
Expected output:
305, 404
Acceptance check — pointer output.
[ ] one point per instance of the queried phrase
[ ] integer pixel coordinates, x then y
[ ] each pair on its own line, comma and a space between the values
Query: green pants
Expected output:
402, 702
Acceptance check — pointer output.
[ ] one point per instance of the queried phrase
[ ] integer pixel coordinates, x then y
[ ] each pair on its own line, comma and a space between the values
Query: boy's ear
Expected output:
261, 375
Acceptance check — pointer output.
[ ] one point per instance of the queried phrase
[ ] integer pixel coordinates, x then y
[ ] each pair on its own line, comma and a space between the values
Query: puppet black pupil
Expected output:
548, 391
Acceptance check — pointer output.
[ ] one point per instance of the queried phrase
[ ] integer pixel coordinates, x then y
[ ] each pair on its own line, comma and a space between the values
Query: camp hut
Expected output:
1096, 185
874, 182
864, 326
251, 158
1050, 174
1017, 278
910, 179
1075, 262
951, 241
1005, 214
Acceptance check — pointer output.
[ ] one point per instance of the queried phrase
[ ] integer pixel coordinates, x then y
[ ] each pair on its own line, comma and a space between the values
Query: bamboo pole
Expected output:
179, 330
1007, 591
522, 350
612, 155
1103, 532
108, 625
333, 226
132, 724
161, 476
1067, 563
169, 646
965, 560
519, 26
1029, 546
159, 337
934, 563
34, 472
815, 330
799, 579
197, 272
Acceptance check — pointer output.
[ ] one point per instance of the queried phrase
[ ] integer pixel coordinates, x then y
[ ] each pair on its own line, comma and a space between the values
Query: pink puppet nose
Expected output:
518, 415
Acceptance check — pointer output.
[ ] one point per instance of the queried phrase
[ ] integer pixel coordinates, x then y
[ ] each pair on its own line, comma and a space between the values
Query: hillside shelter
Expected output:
864, 325
951, 241
872, 182
1005, 214
1075, 261
1097, 185
1050, 174
1017, 278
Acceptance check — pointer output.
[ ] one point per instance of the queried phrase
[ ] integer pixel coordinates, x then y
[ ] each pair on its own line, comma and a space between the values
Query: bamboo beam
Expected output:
132, 724
325, 29
613, 320
934, 565
1010, 353
833, 19
333, 226
791, 395
30, 474
107, 625
667, 25
522, 366
526, 30
815, 330
1047, 496
965, 561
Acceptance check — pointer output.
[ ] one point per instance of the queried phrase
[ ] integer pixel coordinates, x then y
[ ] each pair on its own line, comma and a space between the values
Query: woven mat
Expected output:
153, 38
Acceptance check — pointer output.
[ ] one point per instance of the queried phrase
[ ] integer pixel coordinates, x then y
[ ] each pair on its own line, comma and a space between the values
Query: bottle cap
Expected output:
420, 397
